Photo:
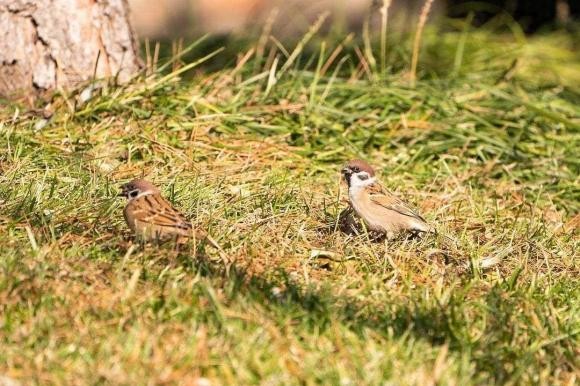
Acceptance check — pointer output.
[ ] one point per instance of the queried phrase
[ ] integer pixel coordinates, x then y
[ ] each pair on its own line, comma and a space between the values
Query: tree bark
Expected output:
47, 45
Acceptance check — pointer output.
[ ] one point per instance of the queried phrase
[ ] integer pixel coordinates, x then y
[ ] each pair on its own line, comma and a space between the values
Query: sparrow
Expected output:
152, 218
381, 210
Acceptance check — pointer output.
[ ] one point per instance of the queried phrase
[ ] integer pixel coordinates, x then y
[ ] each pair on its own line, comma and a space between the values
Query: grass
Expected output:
485, 144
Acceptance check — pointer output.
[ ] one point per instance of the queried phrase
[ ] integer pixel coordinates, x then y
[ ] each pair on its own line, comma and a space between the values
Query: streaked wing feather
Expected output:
155, 210
386, 199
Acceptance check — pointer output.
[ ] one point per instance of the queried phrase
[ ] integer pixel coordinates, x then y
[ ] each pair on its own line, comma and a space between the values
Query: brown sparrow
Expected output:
381, 210
151, 217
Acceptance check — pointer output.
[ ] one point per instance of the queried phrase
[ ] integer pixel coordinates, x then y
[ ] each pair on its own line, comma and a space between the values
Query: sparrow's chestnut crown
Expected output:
357, 166
357, 172
133, 188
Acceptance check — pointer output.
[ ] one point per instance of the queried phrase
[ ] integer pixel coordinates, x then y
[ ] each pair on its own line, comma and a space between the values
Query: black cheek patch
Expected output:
133, 193
363, 177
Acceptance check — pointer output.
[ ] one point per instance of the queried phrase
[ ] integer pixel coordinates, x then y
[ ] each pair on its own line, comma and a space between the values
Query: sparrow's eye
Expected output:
133, 193
356, 169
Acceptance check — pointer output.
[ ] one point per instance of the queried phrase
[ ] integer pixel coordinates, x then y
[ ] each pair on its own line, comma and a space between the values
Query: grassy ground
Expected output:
484, 144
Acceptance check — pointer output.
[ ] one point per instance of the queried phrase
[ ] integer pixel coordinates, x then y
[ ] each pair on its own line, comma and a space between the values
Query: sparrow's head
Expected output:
136, 188
357, 173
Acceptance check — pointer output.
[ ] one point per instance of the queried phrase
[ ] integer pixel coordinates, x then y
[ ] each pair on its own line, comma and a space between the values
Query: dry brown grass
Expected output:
298, 301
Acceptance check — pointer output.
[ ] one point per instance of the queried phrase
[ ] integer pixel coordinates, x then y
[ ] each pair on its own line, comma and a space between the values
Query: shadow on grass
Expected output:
500, 352
495, 346
321, 305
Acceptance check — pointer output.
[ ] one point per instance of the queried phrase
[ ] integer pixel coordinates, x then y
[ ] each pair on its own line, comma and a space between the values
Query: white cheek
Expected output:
145, 193
141, 194
356, 182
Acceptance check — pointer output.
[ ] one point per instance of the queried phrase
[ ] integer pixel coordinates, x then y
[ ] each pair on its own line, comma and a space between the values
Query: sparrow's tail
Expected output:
203, 235
434, 231
482, 264
214, 243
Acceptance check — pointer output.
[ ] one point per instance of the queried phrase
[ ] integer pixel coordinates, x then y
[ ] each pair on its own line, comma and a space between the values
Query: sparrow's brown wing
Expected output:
154, 210
388, 200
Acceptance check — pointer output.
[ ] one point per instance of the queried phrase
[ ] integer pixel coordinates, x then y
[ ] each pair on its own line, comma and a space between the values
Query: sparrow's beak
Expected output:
123, 192
346, 172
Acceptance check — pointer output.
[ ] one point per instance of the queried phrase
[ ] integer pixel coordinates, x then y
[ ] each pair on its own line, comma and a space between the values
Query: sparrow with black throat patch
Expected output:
381, 210
152, 218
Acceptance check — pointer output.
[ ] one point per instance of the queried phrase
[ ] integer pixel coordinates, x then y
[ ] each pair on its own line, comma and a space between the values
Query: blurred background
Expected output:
169, 19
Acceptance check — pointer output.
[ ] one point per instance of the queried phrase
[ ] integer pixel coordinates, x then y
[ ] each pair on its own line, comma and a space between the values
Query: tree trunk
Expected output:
59, 44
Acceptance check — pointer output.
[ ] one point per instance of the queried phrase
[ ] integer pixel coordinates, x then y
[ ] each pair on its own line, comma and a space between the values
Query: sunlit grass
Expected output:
487, 149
